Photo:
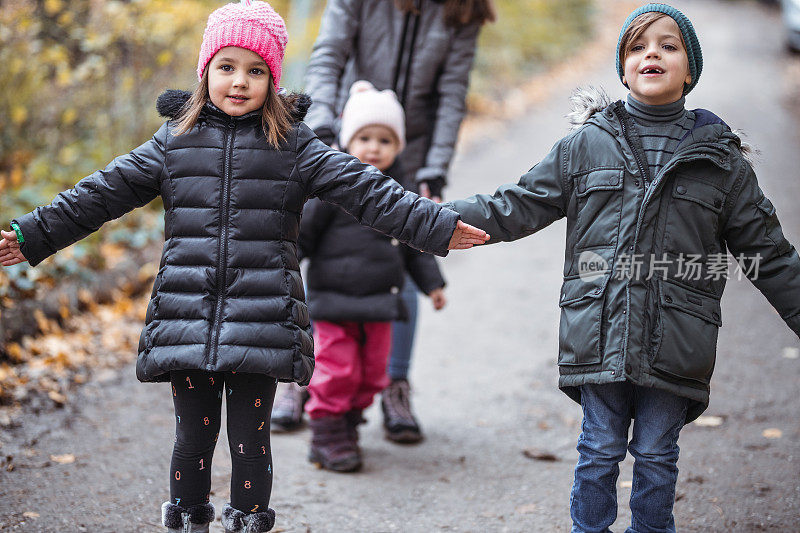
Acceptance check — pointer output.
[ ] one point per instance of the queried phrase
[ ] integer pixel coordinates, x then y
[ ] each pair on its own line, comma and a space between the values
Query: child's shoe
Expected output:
195, 519
332, 446
398, 420
287, 413
236, 521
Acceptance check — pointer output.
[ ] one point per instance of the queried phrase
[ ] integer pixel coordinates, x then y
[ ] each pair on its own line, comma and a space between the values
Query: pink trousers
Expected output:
350, 366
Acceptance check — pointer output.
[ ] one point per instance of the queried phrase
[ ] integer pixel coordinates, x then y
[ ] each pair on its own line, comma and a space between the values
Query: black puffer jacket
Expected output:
355, 273
228, 295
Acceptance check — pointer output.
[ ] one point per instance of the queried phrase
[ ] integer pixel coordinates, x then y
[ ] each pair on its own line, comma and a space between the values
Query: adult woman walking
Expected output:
423, 50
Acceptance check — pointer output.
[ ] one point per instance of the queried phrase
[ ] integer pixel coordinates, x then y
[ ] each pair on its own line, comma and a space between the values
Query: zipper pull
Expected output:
186, 527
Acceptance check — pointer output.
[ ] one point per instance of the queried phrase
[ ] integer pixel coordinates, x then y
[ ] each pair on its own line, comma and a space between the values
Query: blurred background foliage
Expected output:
81, 78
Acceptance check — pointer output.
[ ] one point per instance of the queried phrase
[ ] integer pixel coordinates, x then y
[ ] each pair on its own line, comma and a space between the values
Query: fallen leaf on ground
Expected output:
57, 397
772, 433
526, 509
709, 421
539, 455
64, 459
791, 353
30, 514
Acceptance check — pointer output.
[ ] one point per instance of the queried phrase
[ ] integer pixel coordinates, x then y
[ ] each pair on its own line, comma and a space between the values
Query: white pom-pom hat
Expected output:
369, 107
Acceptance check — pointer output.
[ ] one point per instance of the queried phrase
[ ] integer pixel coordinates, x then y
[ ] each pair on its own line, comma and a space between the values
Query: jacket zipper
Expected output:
645, 174
401, 53
222, 248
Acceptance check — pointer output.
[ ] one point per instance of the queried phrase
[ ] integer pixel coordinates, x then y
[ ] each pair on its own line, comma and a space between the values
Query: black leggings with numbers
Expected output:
198, 398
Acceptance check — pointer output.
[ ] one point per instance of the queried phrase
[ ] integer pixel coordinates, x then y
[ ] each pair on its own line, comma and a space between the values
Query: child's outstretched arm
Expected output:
753, 232
515, 211
378, 201
130, 181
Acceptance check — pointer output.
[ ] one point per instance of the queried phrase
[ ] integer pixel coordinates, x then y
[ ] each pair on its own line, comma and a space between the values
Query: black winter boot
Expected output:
354, 418
236, 521
195, 519
332, 446
398, 421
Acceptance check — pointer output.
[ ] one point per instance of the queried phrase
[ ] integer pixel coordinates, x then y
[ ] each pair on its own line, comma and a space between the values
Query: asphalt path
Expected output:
485, 369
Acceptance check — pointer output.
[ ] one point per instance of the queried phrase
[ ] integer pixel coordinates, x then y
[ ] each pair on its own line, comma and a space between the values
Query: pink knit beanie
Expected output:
369, 107
249, 24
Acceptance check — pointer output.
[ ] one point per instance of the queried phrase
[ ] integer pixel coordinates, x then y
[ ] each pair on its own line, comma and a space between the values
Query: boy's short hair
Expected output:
637, 27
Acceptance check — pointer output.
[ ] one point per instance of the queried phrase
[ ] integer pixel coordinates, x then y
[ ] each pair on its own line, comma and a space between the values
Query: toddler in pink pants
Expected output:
355, 275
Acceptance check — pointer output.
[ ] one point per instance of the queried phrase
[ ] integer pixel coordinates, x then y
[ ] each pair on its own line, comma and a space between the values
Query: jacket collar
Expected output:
592, 105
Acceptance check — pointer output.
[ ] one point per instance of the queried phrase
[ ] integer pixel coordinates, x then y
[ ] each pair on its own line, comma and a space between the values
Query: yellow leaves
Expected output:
19, 114
113, 253
57, 397
63, 77
15, 352
164, 58
15, 177
103, 339
6, 372
69, 116
68, 155
51, 7
66, 18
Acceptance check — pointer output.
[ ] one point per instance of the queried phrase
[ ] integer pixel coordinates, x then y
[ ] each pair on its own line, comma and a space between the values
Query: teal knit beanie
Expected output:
687, 32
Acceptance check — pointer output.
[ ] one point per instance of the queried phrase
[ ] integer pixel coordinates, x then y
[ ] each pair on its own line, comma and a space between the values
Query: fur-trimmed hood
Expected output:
588, 101
171, 102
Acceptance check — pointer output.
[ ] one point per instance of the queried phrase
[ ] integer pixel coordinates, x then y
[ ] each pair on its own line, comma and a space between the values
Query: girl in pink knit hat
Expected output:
234, 165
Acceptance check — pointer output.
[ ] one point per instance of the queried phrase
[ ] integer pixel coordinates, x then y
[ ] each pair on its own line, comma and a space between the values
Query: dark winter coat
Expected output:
658, 329
425, 61
228, 295
356, 273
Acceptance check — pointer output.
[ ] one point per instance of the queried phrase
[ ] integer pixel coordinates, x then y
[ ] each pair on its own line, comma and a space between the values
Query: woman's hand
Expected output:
438, 298
466, 236
9, 249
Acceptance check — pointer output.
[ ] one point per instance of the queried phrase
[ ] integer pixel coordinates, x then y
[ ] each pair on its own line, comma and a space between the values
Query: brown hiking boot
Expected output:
332, 446
398, 420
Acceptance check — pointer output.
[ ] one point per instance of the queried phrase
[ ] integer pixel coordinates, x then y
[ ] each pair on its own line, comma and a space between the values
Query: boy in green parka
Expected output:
653, 195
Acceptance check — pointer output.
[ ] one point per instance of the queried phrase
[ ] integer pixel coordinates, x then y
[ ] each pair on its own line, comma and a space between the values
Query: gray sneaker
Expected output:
287, 413
399, 423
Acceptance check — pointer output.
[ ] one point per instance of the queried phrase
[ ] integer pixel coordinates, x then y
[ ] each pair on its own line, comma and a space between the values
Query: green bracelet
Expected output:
15, 227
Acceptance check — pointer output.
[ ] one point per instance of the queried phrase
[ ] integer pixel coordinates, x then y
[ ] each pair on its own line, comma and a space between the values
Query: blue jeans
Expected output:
608, 410
403, 334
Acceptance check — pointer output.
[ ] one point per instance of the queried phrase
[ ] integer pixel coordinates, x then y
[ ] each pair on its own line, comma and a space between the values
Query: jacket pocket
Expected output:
687, 329
579, 334
693, 219
599, 204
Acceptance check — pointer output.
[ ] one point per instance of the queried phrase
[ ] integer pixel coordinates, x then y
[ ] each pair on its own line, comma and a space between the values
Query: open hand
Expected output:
466, 236
9, 249
438, 298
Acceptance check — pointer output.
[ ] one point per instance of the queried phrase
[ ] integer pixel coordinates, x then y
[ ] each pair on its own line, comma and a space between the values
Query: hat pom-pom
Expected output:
361, 86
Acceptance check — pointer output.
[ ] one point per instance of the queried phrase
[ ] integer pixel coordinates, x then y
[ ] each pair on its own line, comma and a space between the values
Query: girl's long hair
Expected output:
276, 114
457, 13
